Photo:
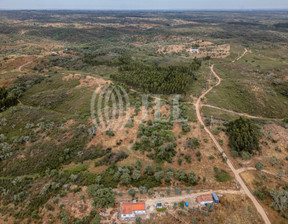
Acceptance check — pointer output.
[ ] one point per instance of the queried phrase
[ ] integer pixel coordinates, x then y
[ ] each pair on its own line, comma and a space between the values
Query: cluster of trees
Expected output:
6, 100
99, 59
112, 157
9, 97
155, 78
243, 136
102, 197
157, 136
24, 83
144, 178
280, 201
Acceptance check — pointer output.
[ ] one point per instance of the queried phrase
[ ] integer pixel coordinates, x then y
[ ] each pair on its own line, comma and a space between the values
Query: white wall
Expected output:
128, 216
140, 212
206, 202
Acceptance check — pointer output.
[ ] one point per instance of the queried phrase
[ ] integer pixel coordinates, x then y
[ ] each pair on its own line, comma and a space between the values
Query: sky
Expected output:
145, 4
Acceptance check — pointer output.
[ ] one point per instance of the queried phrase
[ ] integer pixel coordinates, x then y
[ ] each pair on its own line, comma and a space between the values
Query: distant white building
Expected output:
54, 53
194, 51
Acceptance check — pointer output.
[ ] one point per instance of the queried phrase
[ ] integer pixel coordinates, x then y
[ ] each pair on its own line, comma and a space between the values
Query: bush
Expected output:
245, 155
188, 158
138, 220
234, 154
186, 127
221, 175
110, 133
168, 191
178, 191
142, 190
147, 181
192, 179
149, 170
259, 194
280, 201
102, 197
192, 143
159, 176
132, 192
161, 209
182, 204
136, 175
125, 179
259, 165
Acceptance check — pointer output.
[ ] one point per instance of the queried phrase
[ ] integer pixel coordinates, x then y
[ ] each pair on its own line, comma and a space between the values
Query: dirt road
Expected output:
220, 149
20, 67
173, 199
238, 113
244, 169
242, 55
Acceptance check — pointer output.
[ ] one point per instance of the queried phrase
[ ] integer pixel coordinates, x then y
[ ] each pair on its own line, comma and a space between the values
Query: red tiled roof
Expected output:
126, 208
204, 197
129, 207
140, 206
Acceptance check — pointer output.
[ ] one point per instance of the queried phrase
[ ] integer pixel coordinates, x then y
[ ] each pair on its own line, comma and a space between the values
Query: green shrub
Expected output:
259, 165
161, 209
234, 154
221, 175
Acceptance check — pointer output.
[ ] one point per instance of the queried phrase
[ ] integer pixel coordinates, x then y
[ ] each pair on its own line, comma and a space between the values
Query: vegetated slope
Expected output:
254, 85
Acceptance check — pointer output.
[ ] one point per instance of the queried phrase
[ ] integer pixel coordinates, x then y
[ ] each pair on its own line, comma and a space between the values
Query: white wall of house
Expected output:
206, 202
140, 212
128, 215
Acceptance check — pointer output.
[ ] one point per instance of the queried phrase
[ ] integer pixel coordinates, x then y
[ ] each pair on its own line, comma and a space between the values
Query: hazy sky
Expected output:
144, 4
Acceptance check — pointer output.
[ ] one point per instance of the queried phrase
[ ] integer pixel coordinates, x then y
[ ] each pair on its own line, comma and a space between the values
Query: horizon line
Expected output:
171, 10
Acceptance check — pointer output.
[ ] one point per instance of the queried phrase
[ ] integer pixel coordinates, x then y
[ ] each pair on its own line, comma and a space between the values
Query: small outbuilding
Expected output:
159, 205
215, 198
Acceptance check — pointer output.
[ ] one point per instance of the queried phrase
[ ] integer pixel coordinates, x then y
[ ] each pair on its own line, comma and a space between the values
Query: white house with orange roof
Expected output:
131, 209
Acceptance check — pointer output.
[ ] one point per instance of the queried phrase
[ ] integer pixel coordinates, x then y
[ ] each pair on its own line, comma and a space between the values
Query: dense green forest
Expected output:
243, 136
157, 79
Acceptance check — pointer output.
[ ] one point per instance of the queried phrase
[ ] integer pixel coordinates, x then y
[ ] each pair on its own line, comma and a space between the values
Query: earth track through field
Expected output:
241, 56
198, 106
239, 113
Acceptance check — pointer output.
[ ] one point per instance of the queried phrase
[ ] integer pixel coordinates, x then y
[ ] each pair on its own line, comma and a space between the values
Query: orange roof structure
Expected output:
129, 207
204, 197
139, 206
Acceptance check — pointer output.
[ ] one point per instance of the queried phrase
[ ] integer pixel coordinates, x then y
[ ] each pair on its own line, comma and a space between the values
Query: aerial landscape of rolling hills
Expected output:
143, 116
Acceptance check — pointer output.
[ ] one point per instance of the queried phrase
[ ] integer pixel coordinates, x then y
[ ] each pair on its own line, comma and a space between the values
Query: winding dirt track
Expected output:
242, 55
220, 149
20, 67
238, 113
244, 169
153, 201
